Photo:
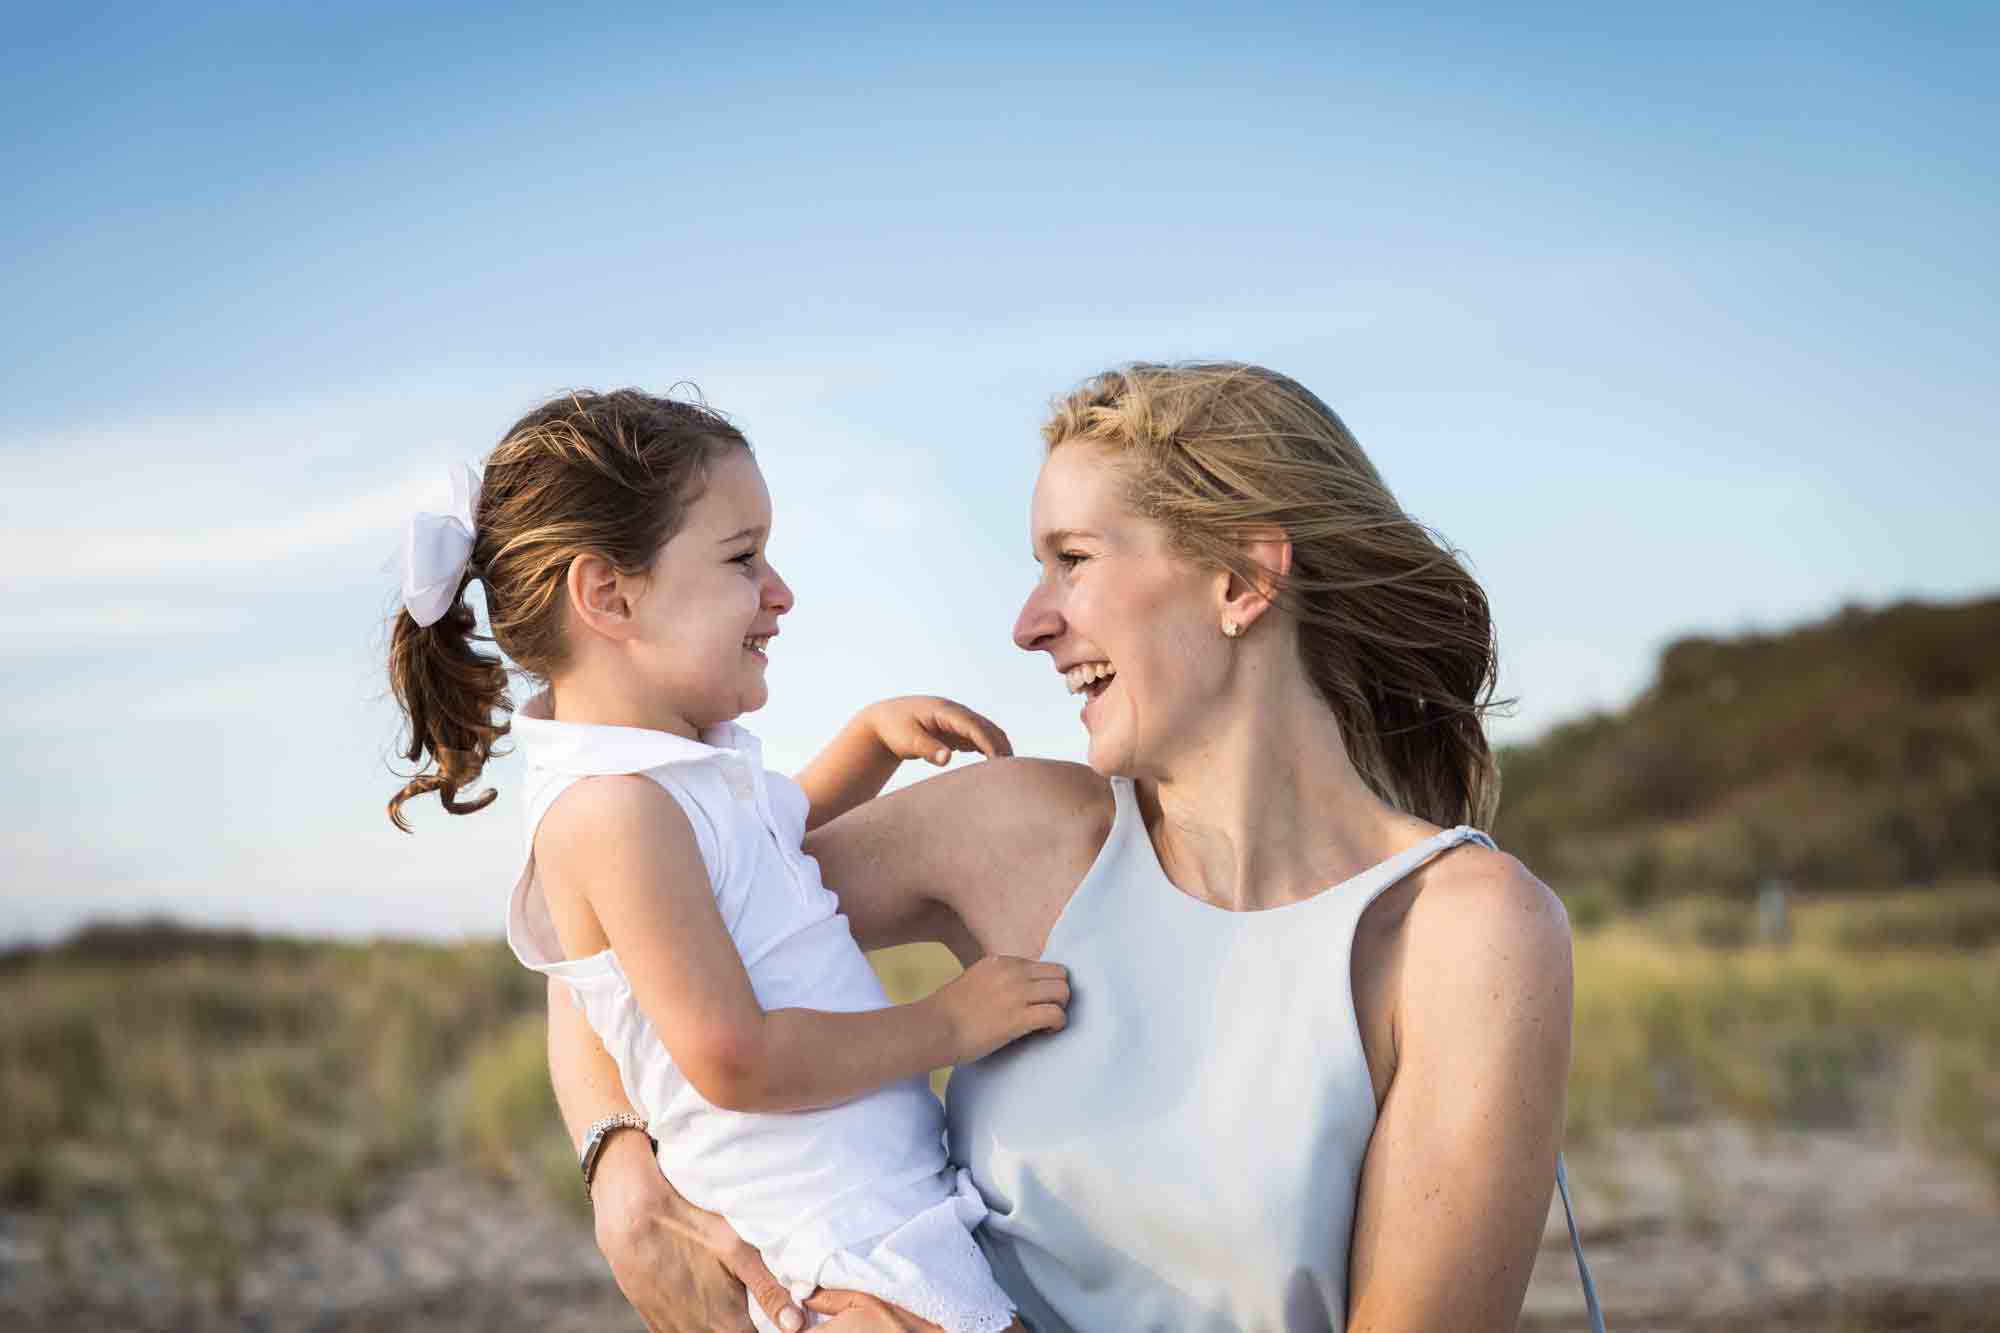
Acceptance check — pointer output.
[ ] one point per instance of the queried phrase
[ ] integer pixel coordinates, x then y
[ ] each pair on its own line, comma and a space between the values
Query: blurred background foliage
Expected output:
1861, 752
198, 1085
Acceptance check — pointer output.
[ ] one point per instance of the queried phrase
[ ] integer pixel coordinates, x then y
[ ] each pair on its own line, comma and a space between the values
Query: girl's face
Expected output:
712, 600
1134, 628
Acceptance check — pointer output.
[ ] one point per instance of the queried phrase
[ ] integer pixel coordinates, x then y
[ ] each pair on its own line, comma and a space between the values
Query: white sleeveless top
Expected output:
800, 1185
1185, 1155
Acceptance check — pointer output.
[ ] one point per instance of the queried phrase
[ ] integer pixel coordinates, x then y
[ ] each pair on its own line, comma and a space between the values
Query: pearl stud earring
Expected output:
1230, 629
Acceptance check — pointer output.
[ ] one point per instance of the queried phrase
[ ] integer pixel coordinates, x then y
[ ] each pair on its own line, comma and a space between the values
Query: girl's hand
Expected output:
923, 726
999, 1000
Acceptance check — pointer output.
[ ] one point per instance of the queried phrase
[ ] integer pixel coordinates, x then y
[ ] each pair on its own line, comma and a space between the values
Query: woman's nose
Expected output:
1038, 623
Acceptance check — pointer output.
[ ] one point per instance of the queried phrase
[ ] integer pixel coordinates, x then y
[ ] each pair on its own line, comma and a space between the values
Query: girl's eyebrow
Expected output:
757, 531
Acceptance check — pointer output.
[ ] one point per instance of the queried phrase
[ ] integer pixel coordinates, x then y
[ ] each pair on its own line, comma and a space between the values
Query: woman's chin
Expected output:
1107, 759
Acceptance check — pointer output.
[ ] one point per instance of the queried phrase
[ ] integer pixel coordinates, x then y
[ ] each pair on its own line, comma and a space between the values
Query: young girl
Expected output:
622, 542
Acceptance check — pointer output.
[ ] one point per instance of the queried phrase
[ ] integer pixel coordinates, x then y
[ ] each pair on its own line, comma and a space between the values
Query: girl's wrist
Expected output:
871, 721
942, 1016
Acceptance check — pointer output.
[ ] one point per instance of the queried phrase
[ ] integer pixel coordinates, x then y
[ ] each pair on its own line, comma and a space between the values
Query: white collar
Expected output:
590, 749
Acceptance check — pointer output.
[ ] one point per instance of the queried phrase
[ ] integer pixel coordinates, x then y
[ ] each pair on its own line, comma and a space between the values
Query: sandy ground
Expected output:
1703, 1228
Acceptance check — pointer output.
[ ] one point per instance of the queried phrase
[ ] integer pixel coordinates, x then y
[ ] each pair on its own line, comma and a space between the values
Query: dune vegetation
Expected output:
201, 1085
1856, 753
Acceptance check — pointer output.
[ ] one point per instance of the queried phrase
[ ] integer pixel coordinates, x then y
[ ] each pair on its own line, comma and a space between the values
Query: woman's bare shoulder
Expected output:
1038, 805
1483, 912
1045, 784
967, 838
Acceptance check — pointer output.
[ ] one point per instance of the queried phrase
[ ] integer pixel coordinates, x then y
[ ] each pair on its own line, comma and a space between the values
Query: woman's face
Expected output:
1135, 629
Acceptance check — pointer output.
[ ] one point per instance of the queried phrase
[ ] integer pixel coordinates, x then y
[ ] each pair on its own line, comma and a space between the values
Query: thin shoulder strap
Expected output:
1576, 1248
1562, 1174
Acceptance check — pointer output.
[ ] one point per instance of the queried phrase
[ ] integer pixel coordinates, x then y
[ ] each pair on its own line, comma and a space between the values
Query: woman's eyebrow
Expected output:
1057, 536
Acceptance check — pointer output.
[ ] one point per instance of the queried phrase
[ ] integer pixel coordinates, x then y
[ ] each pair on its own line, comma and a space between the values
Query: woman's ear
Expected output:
1243, 601
598, 597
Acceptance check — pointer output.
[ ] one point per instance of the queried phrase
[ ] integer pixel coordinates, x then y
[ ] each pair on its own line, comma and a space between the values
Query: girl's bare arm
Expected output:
866, 752
618, 861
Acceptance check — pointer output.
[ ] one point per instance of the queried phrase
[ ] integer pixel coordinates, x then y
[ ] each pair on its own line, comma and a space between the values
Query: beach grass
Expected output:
200, 1093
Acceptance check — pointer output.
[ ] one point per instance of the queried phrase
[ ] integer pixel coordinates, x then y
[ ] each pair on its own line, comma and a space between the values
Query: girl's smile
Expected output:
711, 602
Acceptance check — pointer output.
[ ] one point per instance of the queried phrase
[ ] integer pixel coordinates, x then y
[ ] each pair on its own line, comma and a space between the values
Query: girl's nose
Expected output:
777, 594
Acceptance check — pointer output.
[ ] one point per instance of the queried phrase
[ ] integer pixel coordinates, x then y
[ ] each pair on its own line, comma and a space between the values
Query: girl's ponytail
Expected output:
454, 700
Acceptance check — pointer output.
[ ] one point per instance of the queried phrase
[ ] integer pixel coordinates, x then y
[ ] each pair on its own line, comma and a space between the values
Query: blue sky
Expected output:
1672, 322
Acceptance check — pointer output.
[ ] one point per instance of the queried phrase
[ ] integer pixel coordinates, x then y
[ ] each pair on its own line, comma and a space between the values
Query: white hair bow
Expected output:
437, 548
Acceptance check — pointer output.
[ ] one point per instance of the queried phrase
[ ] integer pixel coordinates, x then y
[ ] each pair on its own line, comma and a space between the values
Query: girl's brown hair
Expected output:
1394, 633
610, 474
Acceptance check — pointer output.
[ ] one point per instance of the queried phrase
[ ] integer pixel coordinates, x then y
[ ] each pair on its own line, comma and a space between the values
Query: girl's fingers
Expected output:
983, 734
946, 726
932, 747
1047, 1017
936, 743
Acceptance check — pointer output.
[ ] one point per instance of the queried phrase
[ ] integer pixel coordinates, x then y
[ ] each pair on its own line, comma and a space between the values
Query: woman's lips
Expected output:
1092, 693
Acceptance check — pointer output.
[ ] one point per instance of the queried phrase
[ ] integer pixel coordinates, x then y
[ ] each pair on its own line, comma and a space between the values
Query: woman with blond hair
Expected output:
1313, 1074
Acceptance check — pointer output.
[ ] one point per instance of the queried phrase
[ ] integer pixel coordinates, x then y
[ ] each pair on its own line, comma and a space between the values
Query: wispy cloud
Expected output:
244, 547
22, 624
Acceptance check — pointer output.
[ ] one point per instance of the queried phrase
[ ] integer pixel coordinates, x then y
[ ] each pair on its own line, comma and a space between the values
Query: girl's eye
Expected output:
746, 559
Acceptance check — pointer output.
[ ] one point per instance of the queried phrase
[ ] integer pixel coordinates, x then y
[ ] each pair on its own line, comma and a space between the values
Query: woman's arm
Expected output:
1455, 1188
982, 859
682, 1269
619, 864
866, 752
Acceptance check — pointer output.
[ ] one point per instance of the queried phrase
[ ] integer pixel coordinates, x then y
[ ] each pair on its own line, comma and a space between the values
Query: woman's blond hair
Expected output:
1393, 632
611, 474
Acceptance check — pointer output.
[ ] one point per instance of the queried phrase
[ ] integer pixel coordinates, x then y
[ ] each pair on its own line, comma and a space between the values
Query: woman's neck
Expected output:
1269, 810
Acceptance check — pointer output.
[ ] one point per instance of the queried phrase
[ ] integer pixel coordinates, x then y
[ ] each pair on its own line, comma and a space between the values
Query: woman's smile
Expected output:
1091, 680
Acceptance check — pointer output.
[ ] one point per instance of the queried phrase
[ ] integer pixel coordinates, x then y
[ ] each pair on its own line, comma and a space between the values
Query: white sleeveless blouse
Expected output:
1185, 1155
854, 1195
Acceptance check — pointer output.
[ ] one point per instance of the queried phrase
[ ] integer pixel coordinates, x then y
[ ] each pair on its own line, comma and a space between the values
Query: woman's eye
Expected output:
1070, 559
